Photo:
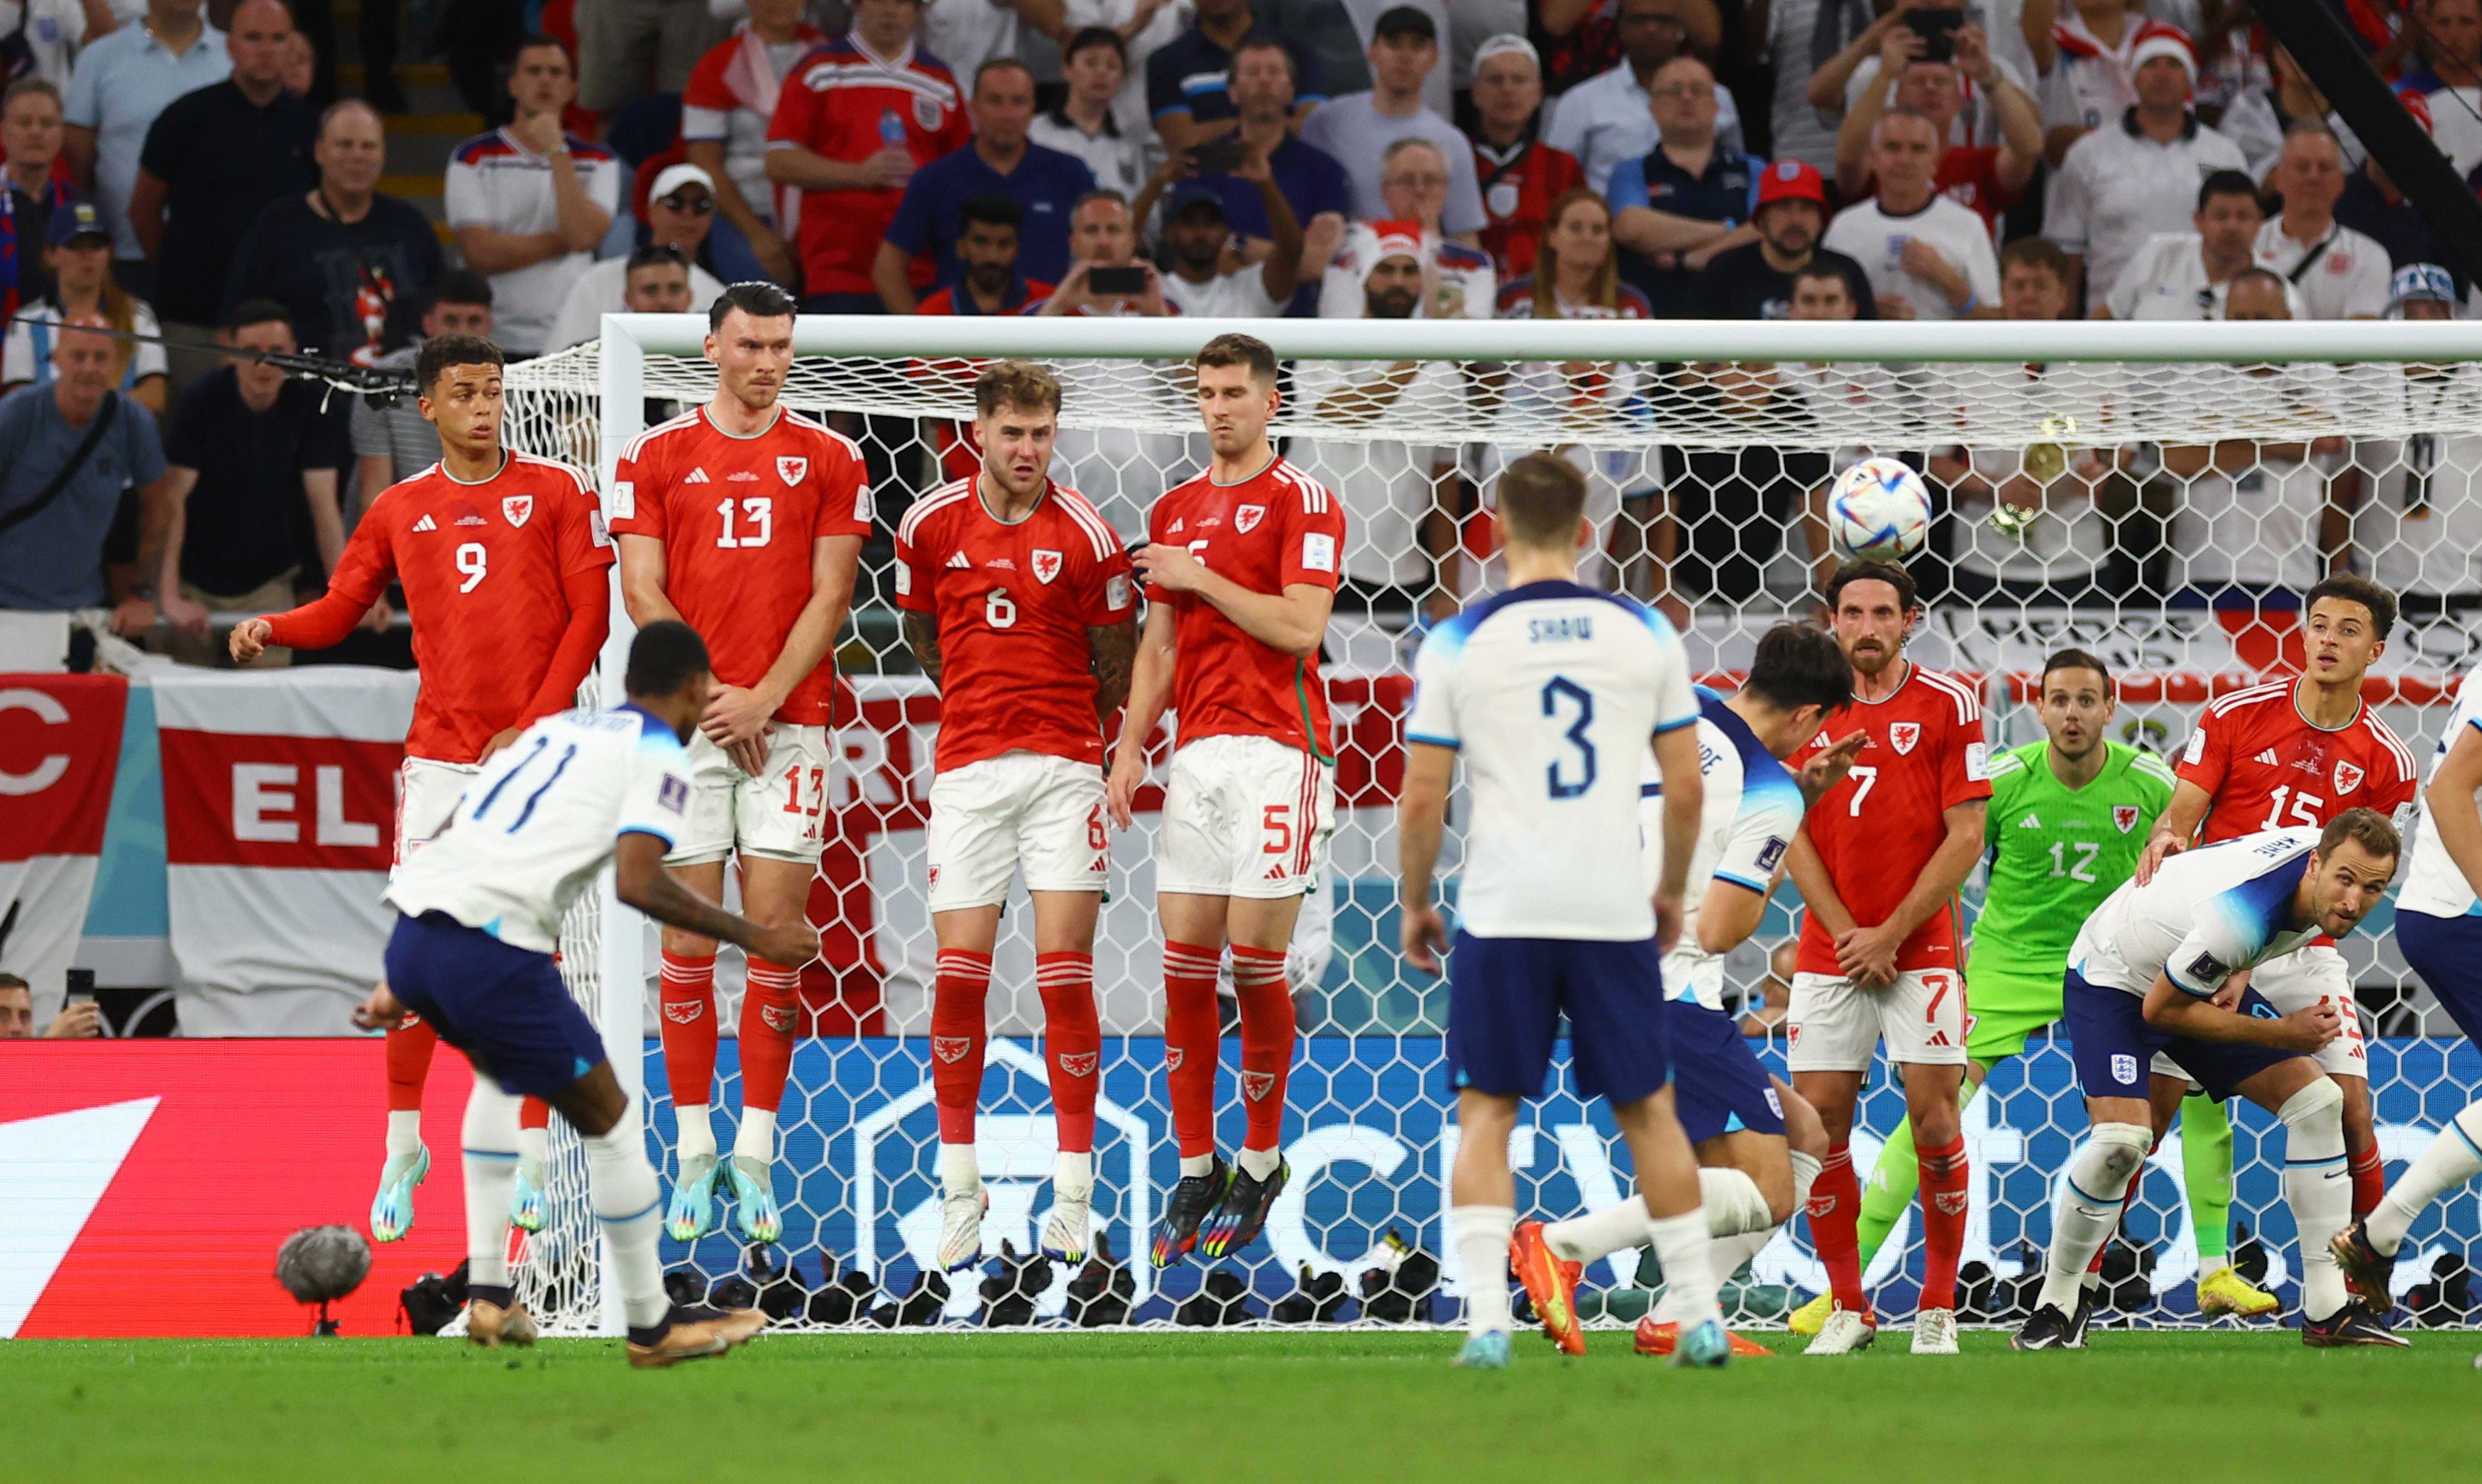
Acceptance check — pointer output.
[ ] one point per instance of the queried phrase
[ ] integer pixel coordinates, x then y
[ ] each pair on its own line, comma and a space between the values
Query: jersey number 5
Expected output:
759, 510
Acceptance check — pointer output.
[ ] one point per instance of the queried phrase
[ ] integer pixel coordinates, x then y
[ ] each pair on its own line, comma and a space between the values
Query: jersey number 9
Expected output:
475, 563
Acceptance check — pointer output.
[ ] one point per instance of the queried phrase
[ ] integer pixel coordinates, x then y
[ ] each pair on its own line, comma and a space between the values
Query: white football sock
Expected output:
535, 1144
404, 1131
2319, 1189
1728, 1253
757, 1137
621, 1186
1482, 1246
1194, 1165
694, 1131
2452, 1160
1259, 1163
1072, 1174
489, 1139
2099, 1178
1687, 1255
1805, 1174
1599, 1233
958, 1173
1732, 1203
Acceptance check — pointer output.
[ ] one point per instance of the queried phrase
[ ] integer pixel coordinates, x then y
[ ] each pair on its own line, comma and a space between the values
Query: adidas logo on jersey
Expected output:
697, 476
2269, 759
957, 560
2030, 822
426, 524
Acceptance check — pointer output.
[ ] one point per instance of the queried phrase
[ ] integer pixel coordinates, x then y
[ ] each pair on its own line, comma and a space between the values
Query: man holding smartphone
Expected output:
77, 1022
1106, 275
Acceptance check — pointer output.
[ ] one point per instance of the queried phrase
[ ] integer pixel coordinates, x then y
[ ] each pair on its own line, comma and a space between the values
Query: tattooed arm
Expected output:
1114, 649
922, 637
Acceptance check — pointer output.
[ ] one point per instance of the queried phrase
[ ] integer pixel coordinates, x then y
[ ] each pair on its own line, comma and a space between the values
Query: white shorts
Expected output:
779, 815
426, 796
987, 818
1836, 1025
2297, 981
1244, 816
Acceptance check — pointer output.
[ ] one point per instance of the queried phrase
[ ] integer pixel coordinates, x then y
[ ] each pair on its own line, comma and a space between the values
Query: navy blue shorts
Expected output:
1505, 997
2112, 1043
2447, 953
506, 1008
1718, 1086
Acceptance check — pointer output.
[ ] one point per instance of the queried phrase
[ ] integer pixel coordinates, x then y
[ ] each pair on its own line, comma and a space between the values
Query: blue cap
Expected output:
1193, 193
2420, 281
77, 218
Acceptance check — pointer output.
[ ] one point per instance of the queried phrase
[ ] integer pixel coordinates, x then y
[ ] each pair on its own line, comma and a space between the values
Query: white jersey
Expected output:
1553, 692
2208, 914
540, 820
2434, 887
1752, 811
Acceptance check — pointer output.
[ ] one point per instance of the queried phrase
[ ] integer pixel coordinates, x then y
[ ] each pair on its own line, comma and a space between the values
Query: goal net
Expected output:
2173, 488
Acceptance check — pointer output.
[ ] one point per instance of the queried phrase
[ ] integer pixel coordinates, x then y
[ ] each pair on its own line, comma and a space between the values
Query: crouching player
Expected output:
1552, 692
480, 910
2162, 968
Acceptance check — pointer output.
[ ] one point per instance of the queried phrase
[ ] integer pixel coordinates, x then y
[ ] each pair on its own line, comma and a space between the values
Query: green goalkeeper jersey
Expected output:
2055, 854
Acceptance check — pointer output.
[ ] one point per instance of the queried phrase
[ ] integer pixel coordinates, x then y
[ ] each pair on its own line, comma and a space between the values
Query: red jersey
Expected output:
1012, 603
1274, 529
2268, 769
842, 104
486, 569
1518, 186
1878, 830
738, 517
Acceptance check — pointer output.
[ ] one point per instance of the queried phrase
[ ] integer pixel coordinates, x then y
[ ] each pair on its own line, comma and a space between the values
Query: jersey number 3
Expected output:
1559, 694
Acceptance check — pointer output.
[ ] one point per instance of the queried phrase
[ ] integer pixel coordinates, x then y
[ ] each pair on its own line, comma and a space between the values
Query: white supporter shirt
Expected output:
1875, 238
603, 289
1752, 810
2207, 915
33, 332
1384, 486
1607, 118
2434, 885
2348, 282
1241, 295
495, 182
1465, 272
1129, 104
2118, 187
2166, 280
1113, 154
2419, 529
1357, 135
538, 823
965, 34
2456, 125
1552, 692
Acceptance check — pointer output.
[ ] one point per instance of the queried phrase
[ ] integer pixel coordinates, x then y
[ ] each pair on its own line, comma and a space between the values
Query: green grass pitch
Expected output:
2185, 1407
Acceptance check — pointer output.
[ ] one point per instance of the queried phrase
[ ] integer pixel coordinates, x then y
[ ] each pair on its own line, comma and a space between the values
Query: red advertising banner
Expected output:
60, 745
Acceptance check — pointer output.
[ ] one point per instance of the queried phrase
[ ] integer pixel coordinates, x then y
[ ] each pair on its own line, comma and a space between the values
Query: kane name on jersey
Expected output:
2269, 769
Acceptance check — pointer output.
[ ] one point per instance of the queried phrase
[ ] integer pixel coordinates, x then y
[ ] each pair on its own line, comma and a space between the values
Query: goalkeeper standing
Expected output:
2069, 817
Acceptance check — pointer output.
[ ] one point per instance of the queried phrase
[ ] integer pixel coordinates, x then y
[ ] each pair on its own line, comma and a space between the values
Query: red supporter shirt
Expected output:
739, 518
1012, 603
1517, 198
1878, 830
2268, 769
486, 569
1274, 529
840, 104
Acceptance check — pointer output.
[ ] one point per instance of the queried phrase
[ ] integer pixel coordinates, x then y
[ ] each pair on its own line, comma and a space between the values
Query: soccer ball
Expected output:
1879, 512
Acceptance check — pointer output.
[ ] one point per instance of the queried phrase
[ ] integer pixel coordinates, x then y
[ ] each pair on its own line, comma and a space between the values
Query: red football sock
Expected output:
688, 1028
2136, 1183
958, 1027
1834, 1227
1191, 1044
1267, 1038
1073, 1041
2369, 1180
770, 1009
1943, 1176
534, 1113
409, 1063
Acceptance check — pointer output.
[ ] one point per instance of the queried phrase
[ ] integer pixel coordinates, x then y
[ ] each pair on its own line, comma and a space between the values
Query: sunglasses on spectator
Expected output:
696, 205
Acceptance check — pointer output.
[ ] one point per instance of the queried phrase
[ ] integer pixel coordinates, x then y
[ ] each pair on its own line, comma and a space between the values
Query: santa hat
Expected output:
1396, 239
2156, 40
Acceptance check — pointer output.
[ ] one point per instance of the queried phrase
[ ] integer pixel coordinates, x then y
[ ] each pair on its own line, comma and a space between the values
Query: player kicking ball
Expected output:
480, 910
504, 561
1240, 572
1552, 692
1017, 601
2164, 968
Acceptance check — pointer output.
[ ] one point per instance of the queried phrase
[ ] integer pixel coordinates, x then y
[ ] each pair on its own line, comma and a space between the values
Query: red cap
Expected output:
1791, 180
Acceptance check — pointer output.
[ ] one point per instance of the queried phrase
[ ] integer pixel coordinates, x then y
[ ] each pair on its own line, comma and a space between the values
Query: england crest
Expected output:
792, 469
1046, 566
928, 112
1246, 519
516, 508
2347, 777
2125, 816
1902, 735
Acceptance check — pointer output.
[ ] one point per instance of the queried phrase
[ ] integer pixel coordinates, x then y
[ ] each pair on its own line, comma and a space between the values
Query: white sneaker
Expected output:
1845, 1332
1064, 1235
1935, 1332
961, 1229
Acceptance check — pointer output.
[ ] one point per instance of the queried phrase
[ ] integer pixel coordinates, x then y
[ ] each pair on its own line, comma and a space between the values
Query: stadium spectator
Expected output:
965, 36
2057, 496
1753, 282
2417, 504
1413, 191
2184, 276
2088, 62
56, 554
392, 441
1197, 235
33, 184
1144, 27
75, 1022
122, 81
1121, 471
2337, 273
529, 202
1519, 175
2372, 205
212, 160
1813, 49
1103, 234
254, 463
1610, 118
1000, 161
350, 264
1189, 77
1365, 17
1313, 183
730, 95
988, 282
2120, 185
1987, 178
44, 35
622, 45
2451, 84
1086, 125
79, 259
2260, 118
856, 120
302, 72
679, 207
1358, 129
1706, 190
1926, 256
